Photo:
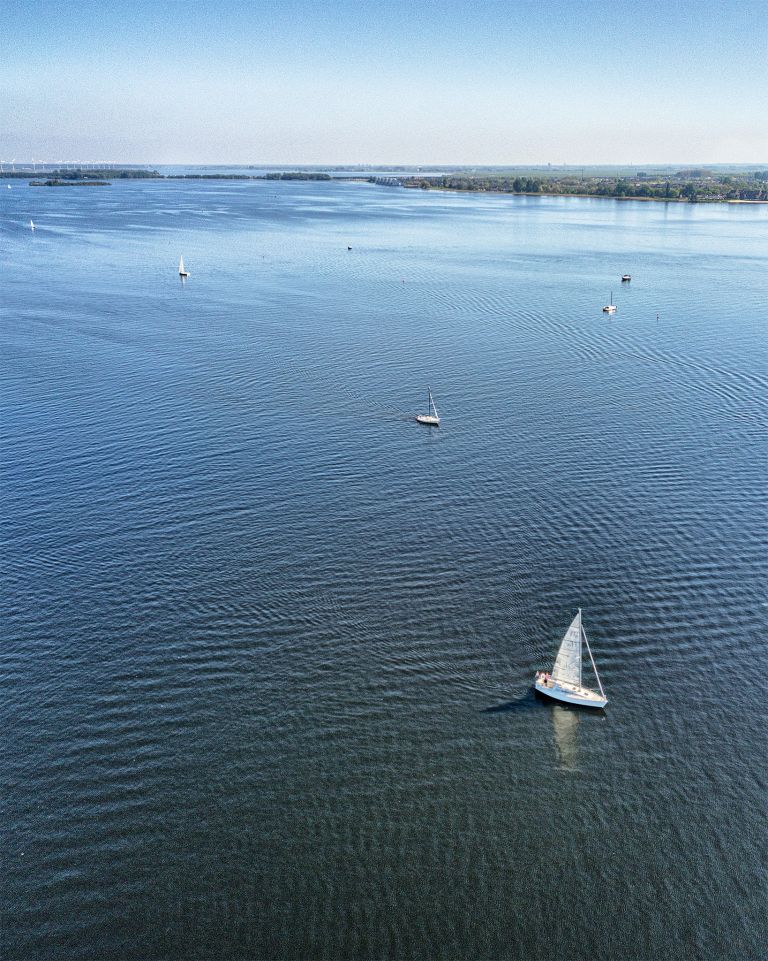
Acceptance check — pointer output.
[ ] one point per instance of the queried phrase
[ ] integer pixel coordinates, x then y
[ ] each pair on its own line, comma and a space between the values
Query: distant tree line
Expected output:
80, 173
295, 175
692, 189
518, 185
125, 173
209, 177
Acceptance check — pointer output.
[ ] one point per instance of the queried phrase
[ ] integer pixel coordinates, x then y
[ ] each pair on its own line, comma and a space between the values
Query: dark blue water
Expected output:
268, 645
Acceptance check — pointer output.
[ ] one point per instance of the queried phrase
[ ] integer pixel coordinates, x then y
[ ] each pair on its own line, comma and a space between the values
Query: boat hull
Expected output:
428, 419
581, 697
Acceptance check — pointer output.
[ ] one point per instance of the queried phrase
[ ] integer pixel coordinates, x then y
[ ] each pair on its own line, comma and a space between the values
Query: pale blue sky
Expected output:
564, 81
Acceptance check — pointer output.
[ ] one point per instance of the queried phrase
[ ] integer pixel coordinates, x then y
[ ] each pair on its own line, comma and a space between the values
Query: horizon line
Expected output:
388, 163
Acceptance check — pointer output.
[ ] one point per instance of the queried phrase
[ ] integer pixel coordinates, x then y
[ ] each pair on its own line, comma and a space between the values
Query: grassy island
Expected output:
69, 183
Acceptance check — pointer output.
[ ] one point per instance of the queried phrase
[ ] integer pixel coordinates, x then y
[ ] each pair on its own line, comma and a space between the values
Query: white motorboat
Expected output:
565, 682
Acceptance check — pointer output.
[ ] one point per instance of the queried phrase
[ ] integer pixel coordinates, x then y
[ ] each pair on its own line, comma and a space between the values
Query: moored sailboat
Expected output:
431, 419
610, 307
565, 683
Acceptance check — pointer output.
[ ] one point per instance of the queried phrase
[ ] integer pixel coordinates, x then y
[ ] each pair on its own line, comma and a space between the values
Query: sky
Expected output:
390, 82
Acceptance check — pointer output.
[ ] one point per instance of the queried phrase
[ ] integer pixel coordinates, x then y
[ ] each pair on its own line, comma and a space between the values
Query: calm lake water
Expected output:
268, 644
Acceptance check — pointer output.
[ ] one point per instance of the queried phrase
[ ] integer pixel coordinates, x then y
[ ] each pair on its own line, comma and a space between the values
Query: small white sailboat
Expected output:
610, 307
31, 225
432, 419
565, 682
182, 271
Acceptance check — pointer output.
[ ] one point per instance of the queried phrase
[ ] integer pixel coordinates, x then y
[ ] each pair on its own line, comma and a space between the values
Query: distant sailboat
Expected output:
182, 271
32, 225
565, 681
610, 307
432, 419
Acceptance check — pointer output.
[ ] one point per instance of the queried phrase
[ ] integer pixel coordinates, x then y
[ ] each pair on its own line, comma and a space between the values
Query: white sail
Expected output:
568, 662
181, 265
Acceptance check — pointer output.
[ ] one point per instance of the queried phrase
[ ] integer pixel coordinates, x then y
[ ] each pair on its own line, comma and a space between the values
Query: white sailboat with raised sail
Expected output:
183, 272
565, 683
432, 419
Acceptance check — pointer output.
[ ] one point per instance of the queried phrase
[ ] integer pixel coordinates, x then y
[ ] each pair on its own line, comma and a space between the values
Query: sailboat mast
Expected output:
581, 631
594, 666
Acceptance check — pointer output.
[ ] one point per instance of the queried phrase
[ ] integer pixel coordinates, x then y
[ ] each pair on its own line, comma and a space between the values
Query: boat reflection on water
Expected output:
565, 722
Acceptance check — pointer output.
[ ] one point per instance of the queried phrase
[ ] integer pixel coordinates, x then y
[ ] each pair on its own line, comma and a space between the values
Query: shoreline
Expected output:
544, 193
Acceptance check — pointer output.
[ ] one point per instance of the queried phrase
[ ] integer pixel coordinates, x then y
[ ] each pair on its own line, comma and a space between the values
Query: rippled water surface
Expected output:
268, 644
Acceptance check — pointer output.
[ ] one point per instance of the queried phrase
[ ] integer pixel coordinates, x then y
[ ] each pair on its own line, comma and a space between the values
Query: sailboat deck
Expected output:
582, 692
570, 693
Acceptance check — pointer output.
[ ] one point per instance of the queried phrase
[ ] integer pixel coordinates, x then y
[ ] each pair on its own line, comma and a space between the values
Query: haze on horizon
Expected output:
292, 82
